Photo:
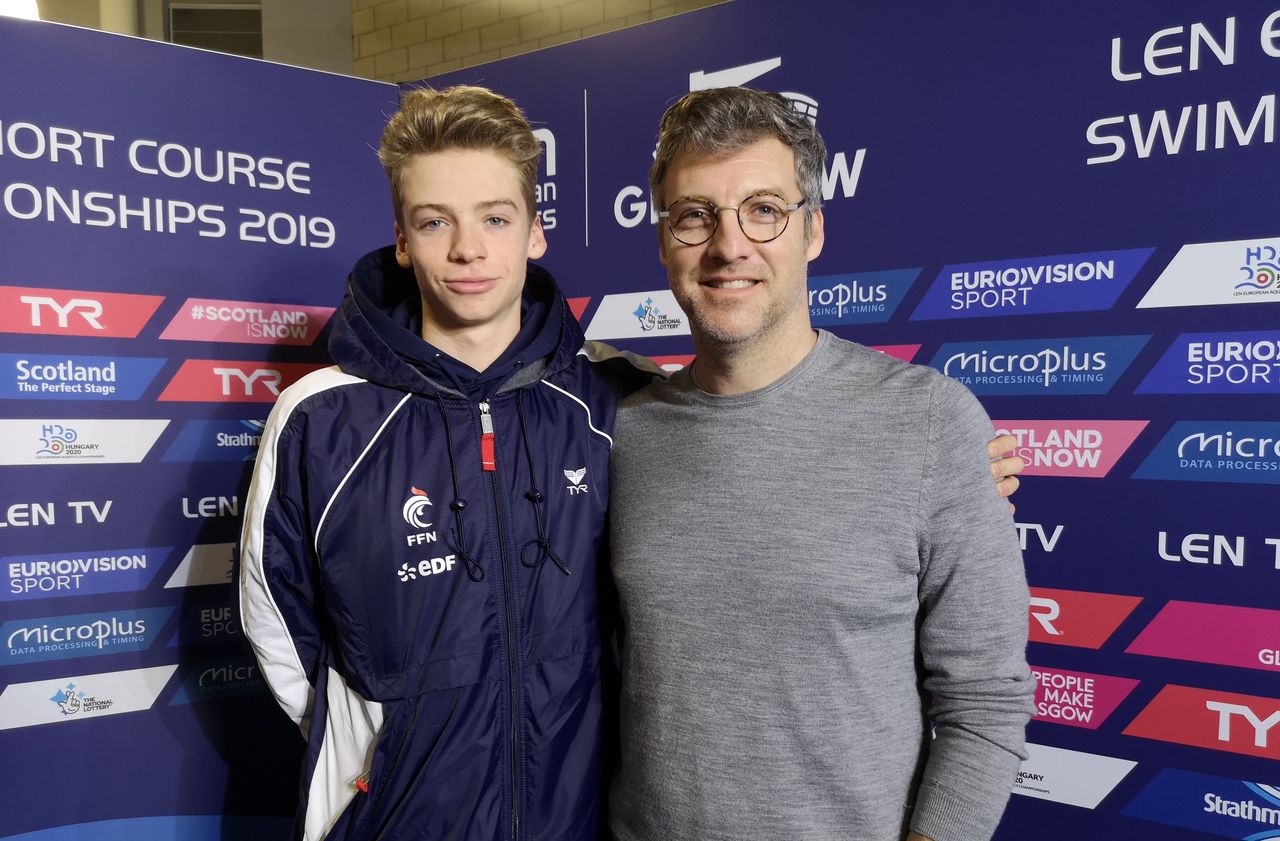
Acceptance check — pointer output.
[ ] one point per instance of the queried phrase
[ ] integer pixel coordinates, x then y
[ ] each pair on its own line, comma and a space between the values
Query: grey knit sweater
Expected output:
810, 574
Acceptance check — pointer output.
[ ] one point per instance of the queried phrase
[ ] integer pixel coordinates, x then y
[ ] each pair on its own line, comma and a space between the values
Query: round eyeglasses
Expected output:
762, 217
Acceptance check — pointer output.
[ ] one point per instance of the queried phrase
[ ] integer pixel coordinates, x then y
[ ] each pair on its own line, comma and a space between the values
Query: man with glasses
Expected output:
800, 601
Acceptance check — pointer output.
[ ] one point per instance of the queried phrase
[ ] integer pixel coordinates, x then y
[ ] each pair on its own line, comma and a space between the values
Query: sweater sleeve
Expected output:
973, 631
276, 588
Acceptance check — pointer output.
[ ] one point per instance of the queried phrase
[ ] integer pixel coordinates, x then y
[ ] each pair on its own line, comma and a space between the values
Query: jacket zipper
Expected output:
489, 463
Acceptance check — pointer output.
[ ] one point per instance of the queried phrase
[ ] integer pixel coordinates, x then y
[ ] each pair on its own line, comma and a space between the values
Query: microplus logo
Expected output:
1211, 273
862, 298
1209, 805
1060, 283
1246, 452
41, 376
1218, 363
84, 635
1077, 365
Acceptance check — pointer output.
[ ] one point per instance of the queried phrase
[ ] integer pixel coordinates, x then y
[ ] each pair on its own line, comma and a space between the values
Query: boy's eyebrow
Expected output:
444, 208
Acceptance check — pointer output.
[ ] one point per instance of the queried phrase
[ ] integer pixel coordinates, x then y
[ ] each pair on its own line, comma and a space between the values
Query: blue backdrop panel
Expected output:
1070, 209
175, 228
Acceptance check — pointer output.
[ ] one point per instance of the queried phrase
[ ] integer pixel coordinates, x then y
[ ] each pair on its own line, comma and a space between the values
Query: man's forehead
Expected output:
461, 177
767, 163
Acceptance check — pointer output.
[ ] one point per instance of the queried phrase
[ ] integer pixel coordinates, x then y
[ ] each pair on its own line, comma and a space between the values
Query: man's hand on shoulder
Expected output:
1005, 468
915, 836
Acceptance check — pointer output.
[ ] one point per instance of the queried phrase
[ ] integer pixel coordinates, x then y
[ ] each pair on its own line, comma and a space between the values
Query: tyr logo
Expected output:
269, 378
575, 478
88, 309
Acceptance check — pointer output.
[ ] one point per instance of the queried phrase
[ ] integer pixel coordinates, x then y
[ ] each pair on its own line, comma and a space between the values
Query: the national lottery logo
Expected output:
653, 319
414, 511
72, 700
1075, 365
1213, 273
1246, 452
1058, 283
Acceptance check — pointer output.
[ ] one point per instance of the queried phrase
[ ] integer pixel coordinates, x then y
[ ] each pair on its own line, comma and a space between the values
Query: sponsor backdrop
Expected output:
175, 227
1068, 210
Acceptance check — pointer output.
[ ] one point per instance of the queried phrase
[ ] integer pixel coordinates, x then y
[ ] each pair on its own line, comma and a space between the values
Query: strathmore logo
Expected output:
66, 312
1209, 805
575, 478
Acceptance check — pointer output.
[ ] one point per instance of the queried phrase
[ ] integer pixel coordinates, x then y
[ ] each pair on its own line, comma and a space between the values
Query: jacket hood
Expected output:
375, 333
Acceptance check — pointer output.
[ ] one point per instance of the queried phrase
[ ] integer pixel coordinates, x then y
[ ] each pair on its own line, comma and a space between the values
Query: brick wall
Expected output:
405, 40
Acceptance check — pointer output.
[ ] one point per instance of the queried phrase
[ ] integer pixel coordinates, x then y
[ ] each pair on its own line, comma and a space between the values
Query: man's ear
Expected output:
402, 249
816, 237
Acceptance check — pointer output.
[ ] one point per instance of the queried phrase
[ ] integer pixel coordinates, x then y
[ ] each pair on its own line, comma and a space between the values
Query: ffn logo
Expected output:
415, 509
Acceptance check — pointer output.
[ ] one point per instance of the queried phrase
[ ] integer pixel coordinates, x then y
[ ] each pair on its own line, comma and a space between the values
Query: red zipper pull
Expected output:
487, 458
362, 783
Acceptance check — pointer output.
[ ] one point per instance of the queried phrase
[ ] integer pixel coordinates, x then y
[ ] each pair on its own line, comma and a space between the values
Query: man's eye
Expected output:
765, 210
495, 222
430, 224
693, 216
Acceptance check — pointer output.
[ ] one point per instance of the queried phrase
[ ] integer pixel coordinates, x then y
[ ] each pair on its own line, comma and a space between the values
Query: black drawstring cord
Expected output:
458, 531
540, 543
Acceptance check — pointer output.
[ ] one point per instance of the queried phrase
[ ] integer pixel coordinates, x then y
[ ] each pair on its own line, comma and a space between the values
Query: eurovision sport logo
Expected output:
638, 315
88, 573
249, 322
1208, 804
1076, 365
216, 440
1031, 286
207, 622
1243, 637
86, 441
82, 635
67, 312
27, 376
862, 298
1218, 363
1244, 271
1246, 452
1086, 449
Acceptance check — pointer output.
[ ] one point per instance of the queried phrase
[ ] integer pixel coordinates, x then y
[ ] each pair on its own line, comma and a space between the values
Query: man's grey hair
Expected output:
722, 121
